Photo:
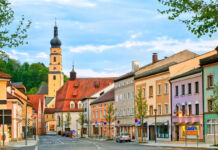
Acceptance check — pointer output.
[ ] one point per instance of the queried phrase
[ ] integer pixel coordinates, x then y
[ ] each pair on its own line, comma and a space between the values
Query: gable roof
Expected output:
209, 60
4, 75
49, 110
34, 99
125, 76
10, 96
78, 89
43, 89
157, 70
108, 96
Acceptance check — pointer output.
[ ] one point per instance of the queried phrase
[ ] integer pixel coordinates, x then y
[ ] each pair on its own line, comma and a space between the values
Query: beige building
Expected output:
124, 102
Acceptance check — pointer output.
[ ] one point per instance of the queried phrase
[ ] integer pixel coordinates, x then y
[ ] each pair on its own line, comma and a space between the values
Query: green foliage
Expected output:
201, 15
110, 116
62, 120
68, 119
81, 121
7, 37
214, 97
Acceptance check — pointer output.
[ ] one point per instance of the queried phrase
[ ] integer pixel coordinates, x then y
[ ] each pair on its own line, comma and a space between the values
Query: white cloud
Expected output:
14, 52
77, 3
92, 73
42, 55
164, 43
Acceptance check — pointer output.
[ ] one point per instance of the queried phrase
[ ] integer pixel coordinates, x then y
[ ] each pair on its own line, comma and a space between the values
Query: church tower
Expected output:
55, 75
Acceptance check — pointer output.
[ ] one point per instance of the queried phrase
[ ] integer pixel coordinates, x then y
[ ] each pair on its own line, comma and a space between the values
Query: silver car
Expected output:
123, 137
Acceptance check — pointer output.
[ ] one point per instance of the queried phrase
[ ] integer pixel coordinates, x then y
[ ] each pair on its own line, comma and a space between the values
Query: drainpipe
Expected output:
203, 102
171, 136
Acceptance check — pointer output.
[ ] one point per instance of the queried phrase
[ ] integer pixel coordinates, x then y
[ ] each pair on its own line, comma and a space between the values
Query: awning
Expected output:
159, 123
187, 123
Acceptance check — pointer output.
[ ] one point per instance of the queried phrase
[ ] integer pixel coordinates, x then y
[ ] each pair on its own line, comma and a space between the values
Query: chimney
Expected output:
135, 66
154, 58
72, 74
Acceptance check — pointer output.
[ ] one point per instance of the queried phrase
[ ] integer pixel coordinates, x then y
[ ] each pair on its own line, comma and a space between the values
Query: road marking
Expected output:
60, 141
36, 147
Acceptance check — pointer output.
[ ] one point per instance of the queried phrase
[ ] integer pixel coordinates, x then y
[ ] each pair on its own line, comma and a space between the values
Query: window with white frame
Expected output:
72, 105
128, 95
210, 126
96, 114
117, 97
166, 88
80, 105
159, 89
159, 109
166, 109
144, 92
120, 97
101, 114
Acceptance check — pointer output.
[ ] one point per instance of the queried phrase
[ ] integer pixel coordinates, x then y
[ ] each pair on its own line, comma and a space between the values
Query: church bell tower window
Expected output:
54, 77
54, 59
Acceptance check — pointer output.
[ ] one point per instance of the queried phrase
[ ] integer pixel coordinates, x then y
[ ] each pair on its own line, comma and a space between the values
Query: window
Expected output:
144, 92
166, 109
96, 114
177, 91
117, 97
197, 109
159, 89
183, 110
128, 95
80, 105
210, 81
189, 88
183, 89
54, 77
211, 123
151, 110
93, 115
150, 91
166, 88
101, 114
54, 59
104, 112
196, 87
177, 110
210, 106
190, 109
159, 109
120, 97
72, 105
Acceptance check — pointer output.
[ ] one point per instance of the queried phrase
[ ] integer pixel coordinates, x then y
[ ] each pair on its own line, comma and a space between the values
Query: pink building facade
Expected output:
187, 106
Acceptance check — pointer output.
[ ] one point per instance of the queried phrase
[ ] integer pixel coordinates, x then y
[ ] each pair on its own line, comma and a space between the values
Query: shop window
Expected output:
183, 89
162, 131
197, 109
211, 124
210, 81
177, 91
189, 88
196, 87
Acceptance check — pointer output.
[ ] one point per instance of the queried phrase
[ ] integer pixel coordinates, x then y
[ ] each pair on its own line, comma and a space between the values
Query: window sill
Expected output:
209, 88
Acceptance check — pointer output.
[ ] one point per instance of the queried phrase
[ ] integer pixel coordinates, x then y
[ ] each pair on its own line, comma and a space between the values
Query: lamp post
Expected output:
155, 127
26, 127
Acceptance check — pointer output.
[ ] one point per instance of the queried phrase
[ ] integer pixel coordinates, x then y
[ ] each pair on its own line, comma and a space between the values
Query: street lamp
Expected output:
155, 128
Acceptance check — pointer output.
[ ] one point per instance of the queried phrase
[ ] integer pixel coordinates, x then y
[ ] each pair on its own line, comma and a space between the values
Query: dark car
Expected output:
123, 137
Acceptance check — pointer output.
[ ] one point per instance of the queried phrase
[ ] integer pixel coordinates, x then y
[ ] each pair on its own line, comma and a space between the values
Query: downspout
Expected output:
171, 136
203, 102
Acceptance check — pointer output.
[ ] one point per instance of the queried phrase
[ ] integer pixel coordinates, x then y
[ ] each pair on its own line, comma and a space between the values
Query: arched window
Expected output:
54, 59
54, 77
80, 105
72, 105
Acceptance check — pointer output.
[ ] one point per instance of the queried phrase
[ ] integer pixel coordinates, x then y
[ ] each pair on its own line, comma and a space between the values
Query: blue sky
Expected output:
103, 37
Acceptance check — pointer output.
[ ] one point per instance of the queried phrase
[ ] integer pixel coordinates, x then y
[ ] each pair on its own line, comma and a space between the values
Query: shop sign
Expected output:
191, 130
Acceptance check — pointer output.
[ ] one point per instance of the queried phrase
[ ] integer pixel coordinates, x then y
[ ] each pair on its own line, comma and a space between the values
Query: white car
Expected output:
123, 137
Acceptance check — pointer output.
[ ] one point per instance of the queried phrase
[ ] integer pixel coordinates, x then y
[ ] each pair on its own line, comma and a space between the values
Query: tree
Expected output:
62, 121
201, 17
68, 119
10, 38
110, 116
214, 97
81, 121
141, 109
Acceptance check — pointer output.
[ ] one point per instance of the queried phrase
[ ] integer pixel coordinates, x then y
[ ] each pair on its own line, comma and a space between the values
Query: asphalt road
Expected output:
66, 143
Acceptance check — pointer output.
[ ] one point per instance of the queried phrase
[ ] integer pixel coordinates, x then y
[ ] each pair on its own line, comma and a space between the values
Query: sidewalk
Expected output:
30, 142
180, 144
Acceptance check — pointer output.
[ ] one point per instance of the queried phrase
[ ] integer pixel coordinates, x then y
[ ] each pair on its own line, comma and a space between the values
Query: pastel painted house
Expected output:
210, 79
187, 105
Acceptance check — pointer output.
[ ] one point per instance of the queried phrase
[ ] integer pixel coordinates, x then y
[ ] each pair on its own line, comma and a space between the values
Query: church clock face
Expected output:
54, 68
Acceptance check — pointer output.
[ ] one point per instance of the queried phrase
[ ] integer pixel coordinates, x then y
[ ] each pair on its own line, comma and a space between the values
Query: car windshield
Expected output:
124, 134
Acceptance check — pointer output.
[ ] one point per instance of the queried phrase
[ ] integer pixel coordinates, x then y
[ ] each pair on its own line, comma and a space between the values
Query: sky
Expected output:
102, 37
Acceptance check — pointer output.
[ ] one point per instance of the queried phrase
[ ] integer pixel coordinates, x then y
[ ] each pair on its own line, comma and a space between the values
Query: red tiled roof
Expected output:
34, 99
4, 75
78, 89
109, 96
49, 110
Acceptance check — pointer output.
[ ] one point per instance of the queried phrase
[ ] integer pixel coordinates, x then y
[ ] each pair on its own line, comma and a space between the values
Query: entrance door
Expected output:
101, 132
177, 133
151, 133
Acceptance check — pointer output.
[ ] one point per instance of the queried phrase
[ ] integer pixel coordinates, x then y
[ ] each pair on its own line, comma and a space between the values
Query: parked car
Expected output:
64, 133
123, 137
67, 134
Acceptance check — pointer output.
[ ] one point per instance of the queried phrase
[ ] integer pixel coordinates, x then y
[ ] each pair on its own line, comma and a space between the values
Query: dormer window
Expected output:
72, 105
80, 105
96, 84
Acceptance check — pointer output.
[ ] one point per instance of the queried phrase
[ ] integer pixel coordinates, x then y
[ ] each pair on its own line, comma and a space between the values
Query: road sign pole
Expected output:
3, 126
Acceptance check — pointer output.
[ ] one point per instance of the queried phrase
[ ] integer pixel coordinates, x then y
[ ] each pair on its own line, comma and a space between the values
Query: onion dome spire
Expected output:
55, 42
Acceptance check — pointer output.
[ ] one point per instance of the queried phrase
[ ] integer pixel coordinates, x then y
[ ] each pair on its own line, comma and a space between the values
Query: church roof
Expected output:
43, 89
75, 90
34, 99
4, 75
